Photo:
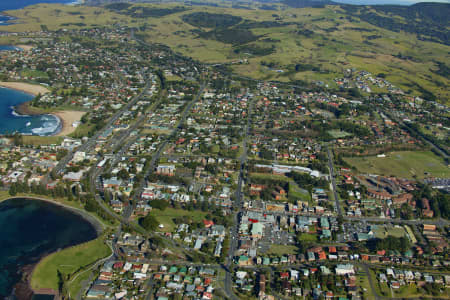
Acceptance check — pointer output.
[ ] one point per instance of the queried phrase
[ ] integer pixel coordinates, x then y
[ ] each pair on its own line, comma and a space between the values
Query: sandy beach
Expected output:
68, 117
25, 47
33, 89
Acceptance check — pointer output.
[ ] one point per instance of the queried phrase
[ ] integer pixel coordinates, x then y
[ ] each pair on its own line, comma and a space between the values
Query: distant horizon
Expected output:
387, 2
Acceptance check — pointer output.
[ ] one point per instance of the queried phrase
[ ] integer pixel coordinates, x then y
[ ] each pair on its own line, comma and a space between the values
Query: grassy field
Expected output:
269, 176
321, 37
166, 217
76, 285
41, 140
337, 134
382, 232
409, 291
404, 164
297, 193
67, 261
282, 250
308, 237
34, 73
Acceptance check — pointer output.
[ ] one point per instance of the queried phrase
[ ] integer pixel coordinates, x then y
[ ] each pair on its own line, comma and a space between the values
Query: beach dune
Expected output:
33, 89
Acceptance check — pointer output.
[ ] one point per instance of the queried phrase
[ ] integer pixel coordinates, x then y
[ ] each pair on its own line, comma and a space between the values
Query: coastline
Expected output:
28, 88
22, 289
24, 47
66, 117
98, 226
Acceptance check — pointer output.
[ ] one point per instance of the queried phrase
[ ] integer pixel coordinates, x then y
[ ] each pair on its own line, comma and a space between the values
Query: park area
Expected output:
68, 261
166, 217
403, 164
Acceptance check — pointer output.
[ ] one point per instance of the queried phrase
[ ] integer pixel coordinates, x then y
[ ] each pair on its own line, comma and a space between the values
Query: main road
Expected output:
228, 284
177, 128
333, 181
93, 140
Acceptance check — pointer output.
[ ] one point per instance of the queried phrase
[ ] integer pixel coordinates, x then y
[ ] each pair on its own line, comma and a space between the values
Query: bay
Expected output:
11, 122
30, 229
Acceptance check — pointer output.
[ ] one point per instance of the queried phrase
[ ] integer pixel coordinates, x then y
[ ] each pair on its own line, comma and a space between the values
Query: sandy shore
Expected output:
25, 47
33, 89
68, 117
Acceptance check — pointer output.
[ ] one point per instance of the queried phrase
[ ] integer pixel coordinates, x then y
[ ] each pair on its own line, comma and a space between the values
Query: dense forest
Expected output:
143, 11
210, 20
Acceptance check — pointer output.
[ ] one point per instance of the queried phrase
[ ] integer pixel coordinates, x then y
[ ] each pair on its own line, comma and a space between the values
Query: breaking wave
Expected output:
16, 114
50, 125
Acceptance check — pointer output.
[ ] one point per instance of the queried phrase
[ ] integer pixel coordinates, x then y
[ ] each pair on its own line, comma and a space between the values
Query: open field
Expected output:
67, 261
166, 217
404, 164
363, 282
280, 250
319, 39
337, 134
308, 237
41, 140
382, 232
409, 291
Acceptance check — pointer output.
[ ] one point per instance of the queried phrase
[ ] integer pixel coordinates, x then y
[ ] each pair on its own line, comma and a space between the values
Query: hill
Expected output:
299, 45
429, 21
308, 3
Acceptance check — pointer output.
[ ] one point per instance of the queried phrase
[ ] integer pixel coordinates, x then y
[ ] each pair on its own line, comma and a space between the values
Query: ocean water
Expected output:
9, 48
16, 4
30, 229
11, 122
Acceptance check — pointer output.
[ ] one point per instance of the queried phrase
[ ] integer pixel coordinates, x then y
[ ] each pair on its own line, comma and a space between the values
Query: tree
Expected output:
13, 190
60, 281
159, 204
149, 222
123, 174
17, 139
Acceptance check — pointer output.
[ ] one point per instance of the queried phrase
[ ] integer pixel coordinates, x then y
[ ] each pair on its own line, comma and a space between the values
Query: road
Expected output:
157, 154
85, 283
234, 234
93, 140
333, 181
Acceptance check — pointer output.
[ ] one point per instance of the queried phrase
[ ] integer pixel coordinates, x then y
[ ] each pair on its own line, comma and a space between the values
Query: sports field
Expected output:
403, 164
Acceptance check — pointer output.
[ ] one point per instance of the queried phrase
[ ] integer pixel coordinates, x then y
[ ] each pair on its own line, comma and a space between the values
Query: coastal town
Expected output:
208, 185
